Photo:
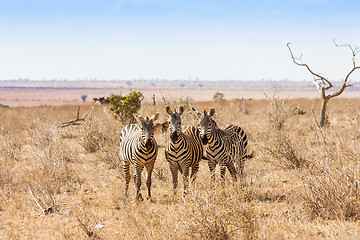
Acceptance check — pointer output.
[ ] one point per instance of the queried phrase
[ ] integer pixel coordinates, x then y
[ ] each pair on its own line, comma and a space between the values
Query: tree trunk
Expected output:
323, 111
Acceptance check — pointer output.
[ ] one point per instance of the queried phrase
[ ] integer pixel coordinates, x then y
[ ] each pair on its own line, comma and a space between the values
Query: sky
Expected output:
176, 39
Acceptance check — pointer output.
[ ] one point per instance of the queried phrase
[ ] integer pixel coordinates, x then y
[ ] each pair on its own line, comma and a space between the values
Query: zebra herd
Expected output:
185, 149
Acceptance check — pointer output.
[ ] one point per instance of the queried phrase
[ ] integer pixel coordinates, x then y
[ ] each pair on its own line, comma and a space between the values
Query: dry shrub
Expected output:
278, 111
333, 186
110, 155
90, 224
51, 171
243, 105
9, 147
219, 214
9, 155
94, 135
333, 183
285, 152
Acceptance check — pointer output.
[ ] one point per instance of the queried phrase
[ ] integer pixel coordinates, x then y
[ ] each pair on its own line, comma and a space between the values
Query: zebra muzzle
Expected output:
148, 144
174, 137
204, 139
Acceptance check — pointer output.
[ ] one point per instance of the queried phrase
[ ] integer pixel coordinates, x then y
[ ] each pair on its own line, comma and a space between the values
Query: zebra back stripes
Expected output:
184, 149
225, 147
139, 148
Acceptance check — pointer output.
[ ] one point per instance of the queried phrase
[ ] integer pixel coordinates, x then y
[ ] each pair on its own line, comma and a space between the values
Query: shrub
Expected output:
285, 152
332, 189
298, 111
278, 111
52, 173
218, 96
219, 215
94, 137
124, 107
102, 100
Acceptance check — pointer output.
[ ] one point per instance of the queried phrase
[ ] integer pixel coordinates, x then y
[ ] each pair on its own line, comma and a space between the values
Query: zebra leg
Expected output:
212, 166
241, 167
138, 170
174, 173
186, 178
222, 174
149, 169
232, 171
126, 168
194, 170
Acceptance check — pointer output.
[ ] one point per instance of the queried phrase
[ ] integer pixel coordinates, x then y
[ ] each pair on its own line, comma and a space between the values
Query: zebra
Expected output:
184, 149
138, 147
222, 146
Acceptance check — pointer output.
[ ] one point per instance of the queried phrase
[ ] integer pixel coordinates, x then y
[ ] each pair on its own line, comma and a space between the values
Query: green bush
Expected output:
124, 107
298, 111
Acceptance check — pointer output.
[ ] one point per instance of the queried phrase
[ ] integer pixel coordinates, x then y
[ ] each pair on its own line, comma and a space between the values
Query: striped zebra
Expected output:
184, 149
138, 147
225, 147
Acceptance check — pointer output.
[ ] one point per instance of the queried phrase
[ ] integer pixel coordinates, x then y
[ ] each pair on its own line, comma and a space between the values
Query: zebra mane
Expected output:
214, 122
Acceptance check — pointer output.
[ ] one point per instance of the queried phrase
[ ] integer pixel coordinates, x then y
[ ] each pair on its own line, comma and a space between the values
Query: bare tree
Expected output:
323, 84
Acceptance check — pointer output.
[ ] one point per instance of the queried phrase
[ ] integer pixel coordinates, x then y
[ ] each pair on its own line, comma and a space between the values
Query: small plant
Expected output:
90, 223
102, 100
52, 173
94, 137
216, 215
285, 152
218, 96
242, 105
124, 107
298, 111
278, 111
4, 106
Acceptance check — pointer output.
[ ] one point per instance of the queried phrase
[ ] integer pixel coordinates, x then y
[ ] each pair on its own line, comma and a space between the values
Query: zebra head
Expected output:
205, 124
174, 122
147, 129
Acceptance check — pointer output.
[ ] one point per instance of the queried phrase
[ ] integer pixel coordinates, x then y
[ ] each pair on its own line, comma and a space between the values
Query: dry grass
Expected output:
67, 183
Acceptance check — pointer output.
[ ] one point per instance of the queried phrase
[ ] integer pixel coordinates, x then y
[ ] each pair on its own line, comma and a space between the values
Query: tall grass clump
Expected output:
219, 214
278, 111
332, 186
285, 152
94, 136
332, 183
9, 156
50, 171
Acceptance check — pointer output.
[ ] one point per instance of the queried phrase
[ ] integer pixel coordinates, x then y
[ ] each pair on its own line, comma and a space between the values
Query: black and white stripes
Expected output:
138, 147
225, 147
184, 149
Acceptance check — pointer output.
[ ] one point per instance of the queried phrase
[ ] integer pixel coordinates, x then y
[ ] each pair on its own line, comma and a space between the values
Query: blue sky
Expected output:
175, 39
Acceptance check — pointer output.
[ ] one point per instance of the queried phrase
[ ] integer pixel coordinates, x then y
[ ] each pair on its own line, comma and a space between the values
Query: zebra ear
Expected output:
155, 117
138, 118
212, 112
181, 110
168, 110
196, 112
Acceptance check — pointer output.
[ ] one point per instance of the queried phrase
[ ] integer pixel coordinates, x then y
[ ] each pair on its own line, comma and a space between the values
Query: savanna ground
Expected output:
67, 183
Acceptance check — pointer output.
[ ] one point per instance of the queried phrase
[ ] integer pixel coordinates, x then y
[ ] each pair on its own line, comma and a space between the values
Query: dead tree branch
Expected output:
322, 83
77, 119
